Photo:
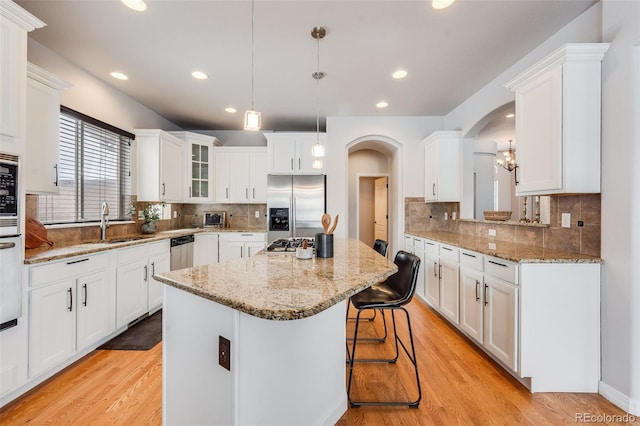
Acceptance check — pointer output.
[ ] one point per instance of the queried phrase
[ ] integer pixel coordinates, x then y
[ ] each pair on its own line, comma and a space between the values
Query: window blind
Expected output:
94, 166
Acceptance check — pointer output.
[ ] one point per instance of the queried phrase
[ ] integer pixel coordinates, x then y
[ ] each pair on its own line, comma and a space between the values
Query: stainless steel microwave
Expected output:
214, 219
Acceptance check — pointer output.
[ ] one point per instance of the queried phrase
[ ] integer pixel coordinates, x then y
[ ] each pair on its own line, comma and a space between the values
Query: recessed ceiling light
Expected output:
119, 76
199, 75
230, 110
399, 74
137, 5
510, 115
382, 104
441, 4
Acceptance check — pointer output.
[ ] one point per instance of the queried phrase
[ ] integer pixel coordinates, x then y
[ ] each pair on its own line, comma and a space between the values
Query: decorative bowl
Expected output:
498, 215
304, 253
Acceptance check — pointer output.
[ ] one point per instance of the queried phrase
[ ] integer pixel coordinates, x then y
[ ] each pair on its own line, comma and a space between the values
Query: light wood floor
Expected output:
460, 385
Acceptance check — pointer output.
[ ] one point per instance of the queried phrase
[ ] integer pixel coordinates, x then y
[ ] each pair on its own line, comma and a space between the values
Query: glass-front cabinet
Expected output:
200, 166
198, 157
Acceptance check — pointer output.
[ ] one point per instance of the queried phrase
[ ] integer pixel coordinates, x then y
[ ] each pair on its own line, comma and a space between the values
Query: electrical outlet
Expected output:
224, 352
566, 220
175, 214
492, 232
492, 246
454, 215
257, 213
446, 216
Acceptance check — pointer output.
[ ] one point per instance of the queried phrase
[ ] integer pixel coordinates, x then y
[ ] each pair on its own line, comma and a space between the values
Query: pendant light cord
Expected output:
318, 93
252, 30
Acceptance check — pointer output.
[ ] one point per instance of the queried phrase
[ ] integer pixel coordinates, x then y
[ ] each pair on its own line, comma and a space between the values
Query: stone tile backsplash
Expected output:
420, 216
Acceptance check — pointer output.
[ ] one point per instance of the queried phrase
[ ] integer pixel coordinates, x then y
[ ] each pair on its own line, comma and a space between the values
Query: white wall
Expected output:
620, 203
93, 97
407, 133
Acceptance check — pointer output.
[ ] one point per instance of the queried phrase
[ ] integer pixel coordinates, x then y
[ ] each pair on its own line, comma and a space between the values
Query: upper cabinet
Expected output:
240, 175
442, 166
15, 23
43, 127
159, 166
198, 166
290, 153
558, 102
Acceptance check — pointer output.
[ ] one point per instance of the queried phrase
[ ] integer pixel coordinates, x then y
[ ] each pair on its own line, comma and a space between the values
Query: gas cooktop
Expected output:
289, 245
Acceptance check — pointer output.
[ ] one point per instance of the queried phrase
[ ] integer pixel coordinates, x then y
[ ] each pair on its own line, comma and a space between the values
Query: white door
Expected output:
52, 328
449, 290
95, 314
431, 172
170, 170
282, 155
471, 301
157, 264
258, 171
230, 250
131, 291
253, 247
205, 249
239, 177
500, 320
381, 217
221, 172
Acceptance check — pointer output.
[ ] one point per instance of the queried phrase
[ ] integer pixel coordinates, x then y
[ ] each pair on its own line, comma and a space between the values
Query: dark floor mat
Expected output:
139, 337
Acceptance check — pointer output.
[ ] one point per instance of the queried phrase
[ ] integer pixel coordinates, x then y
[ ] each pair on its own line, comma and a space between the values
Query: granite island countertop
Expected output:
506, 250
282, 287
63, 251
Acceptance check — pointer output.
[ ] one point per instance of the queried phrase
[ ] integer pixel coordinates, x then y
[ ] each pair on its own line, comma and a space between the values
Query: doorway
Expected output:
373, 213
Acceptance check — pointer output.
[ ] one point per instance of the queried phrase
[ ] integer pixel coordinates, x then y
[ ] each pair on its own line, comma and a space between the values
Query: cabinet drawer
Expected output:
132, 254
242, 236
449, 253
471, 259
502, 269
431, 248
68, 268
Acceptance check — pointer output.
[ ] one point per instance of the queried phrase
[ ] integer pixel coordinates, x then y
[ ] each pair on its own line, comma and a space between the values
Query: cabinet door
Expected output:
13, 59
539, 147
304, 157
155, 293
170, 170
432, 281
501, 320
408, 243
95, 318
43, 117
221, 182
282, 153
418, 250
199, 172
258, 172
449, 291
131, 291
253, 247
205, 249
52, 330
239, 177
230, 250
431, 172
471, 302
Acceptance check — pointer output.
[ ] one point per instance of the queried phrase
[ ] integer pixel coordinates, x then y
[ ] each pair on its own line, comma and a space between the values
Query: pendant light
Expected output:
317, 150
252, 118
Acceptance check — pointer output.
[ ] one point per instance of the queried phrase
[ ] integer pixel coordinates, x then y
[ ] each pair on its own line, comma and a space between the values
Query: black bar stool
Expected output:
391, 294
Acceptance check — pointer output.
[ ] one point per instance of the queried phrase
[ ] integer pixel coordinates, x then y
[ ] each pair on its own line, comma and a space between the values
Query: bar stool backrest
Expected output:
381, 247
404, 281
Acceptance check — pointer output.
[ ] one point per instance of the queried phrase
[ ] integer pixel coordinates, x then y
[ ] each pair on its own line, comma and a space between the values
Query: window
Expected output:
94, 167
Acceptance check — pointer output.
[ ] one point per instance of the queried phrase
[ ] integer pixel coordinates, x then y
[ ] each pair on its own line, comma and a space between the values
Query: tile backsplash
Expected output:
420, 216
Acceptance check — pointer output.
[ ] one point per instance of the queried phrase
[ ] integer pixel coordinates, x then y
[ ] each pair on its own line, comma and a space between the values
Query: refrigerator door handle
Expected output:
292, 217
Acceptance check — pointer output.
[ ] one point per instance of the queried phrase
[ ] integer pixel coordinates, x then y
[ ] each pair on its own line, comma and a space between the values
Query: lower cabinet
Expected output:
205, 249
240, 245
132, 282
449, 283
431, 273
501, 320
71, 307
159, 262
471, 302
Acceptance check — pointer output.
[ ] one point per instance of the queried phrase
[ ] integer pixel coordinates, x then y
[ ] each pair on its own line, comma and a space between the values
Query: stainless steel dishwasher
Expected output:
182, 252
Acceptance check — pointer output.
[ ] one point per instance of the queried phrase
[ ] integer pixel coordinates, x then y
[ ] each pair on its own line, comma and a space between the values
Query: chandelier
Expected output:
509, 161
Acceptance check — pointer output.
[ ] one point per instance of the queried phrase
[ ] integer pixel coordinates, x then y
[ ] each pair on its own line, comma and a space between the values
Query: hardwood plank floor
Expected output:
460, 385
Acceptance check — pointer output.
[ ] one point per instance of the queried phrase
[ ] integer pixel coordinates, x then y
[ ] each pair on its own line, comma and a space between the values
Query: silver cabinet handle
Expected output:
190, 193
299, 163
241, 251
435, 269
227, 192
447, 248
499, 264
55, 167
440, 271
163, 188
291, 163
70, 306
254, 193
246, 193
433, 190
486, 300
468, 254
7, 245
153, 268
146, 273
477, 288
84, 289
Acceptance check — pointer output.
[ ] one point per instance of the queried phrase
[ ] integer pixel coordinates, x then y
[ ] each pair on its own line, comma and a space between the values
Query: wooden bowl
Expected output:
498, 215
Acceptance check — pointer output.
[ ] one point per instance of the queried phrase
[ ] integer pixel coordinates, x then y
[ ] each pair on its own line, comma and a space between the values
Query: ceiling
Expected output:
448, 54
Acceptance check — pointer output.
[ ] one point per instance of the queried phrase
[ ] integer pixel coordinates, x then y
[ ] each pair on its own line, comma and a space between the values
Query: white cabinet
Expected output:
43, 128
290, 153
239, 245
471, 294
442, 166
159, 262
501, 320
159, 166
71, 307
198, 166
240, 175
205, 249
132, 278
415, 245
431, 273
558, 115
449, 279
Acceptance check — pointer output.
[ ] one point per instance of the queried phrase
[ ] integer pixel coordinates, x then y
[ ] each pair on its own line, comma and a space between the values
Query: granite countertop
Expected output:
63, 251
521, 253
282, 287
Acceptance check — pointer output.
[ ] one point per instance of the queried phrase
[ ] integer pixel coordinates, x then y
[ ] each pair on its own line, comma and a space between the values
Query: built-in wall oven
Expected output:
10, 243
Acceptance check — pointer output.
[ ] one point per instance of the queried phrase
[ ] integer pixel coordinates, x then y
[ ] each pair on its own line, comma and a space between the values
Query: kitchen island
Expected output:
285, 324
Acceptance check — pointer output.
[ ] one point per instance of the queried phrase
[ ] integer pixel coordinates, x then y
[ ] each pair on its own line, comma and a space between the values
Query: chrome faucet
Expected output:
104, 221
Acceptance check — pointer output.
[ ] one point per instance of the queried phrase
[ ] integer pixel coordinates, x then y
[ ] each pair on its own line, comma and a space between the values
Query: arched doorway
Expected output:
369, 158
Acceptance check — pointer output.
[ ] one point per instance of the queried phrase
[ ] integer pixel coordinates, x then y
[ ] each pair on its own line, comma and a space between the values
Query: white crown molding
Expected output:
45, 77
19, 16
570, 52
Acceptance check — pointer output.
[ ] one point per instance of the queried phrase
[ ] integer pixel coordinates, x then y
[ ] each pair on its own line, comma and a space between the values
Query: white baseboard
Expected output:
337, 413
619, 399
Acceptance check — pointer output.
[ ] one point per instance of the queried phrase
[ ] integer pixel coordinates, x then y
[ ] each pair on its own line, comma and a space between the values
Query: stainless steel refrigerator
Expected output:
295, 205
